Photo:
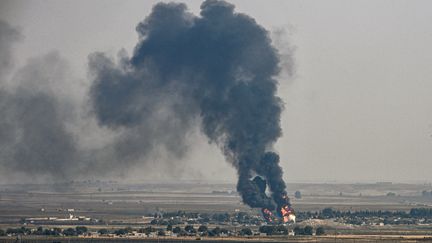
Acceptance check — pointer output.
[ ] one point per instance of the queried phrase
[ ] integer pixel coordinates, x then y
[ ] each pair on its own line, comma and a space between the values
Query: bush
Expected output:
120, 232
308, 230
246, 231
55, 231
215, 232
81, 230
320, 231
39, 231
69, 232
13, 231
298, 230
266, 229
146, 230
103, 231
202, 228
190, 229
328, 213
273, 230
221, 217
421, 212
281, 230
176, 230
169, 227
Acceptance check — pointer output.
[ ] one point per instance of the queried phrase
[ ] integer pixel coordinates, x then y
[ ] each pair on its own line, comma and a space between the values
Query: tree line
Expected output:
328, 213
79, 230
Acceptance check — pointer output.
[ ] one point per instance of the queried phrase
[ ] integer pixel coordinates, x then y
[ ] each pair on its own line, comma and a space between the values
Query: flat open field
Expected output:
120, 205
133, 205
131, 202
291, 239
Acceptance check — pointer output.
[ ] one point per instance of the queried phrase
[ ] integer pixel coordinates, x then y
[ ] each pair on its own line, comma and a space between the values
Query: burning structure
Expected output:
219, 68
280, 203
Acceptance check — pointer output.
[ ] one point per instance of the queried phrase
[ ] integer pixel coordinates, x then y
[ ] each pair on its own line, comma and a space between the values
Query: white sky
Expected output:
358, 109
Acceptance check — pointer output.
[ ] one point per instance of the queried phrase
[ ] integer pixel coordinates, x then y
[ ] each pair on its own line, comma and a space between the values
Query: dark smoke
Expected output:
216, 69
33, 134
260, 183
219, 68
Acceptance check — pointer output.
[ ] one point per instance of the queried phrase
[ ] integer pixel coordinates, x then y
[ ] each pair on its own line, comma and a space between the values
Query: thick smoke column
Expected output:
218, 67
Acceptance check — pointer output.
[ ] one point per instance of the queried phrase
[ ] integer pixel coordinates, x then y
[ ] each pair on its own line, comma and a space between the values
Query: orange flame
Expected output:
286, 212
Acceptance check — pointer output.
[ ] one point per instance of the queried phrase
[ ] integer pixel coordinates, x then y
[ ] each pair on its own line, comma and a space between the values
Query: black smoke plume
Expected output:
219, 68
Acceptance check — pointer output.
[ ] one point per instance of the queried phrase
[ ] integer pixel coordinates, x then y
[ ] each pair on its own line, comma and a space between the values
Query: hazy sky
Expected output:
358, 108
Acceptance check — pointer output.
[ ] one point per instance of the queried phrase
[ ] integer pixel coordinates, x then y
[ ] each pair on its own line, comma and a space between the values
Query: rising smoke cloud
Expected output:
219, 68
216, 71
36, 117
33, 135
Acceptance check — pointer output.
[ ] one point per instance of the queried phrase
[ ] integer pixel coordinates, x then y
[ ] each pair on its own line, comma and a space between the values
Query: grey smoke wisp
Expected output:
219, 68
8, 35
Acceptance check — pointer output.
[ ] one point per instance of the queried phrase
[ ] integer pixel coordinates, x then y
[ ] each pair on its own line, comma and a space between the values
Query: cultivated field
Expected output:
116, 205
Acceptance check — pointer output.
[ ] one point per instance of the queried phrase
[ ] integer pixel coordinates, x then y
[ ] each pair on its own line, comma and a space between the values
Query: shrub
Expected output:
320, 231
246, 231
308, 230
103, 231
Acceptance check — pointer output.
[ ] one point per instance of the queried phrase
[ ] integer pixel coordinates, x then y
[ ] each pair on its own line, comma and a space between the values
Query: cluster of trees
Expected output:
188, 230
354, 217
308, 230
79, 230
274, 230
179, 217
201, 230
205, 231
421, 212
328, 213
179, 213
128, 230
414, 216
282, 230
